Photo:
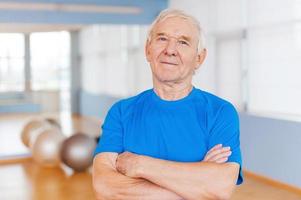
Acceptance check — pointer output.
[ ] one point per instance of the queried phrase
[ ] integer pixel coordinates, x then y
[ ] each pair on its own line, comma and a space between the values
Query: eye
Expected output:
183, 42
162, 38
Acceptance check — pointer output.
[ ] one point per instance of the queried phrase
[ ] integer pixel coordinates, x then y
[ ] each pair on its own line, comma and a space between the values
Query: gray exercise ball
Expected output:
77, 151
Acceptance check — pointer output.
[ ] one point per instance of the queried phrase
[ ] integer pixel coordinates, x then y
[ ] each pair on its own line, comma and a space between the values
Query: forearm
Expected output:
110, 184
199, 180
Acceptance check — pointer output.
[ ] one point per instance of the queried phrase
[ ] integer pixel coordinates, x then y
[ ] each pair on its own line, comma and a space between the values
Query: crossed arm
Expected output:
131, 176
109, 184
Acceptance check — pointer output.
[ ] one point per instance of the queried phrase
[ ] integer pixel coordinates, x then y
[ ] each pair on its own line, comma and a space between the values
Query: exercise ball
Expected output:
46, 147
30, 129
53, 122
35, 133
77, 151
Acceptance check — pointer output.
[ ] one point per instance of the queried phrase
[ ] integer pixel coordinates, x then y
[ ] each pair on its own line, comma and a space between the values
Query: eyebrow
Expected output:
160, 34
181, 37
185, 38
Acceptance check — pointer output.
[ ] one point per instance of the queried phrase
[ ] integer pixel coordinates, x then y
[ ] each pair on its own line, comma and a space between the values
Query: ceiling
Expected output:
55, 15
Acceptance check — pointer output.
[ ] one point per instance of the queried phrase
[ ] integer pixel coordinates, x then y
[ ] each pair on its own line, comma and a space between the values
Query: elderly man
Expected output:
173, 141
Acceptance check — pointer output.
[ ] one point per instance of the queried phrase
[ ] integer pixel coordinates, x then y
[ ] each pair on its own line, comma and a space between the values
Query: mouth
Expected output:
168, 63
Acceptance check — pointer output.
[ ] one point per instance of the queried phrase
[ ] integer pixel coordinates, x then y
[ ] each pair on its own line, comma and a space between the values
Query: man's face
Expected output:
172, 51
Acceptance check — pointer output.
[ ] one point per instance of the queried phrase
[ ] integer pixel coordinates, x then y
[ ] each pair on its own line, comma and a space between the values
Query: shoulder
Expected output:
211, 99
125, 105
216, 106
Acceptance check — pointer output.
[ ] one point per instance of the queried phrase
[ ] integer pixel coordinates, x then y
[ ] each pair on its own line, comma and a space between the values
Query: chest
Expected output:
178, 135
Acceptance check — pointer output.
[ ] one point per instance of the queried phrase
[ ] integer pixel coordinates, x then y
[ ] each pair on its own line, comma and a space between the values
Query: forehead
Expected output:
177, 27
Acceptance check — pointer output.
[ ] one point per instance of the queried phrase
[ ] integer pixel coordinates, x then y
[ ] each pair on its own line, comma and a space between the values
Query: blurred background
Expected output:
71, 60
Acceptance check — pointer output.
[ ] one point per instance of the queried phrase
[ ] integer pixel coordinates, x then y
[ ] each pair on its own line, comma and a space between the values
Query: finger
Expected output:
218, 146
216, 152
222, 160
211, 154
221, 155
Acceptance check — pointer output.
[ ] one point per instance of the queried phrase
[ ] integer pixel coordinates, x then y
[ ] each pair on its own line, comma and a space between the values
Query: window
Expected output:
274, 58
113, 60
260, 71
50, 58
12, 62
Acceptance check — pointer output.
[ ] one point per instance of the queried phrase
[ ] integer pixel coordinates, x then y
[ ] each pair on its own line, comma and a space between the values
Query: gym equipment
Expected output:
46, 147
53, 122
77, 151
46, 142
31, 128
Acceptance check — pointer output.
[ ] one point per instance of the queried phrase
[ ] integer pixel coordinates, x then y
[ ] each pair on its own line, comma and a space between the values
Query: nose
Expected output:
171, 48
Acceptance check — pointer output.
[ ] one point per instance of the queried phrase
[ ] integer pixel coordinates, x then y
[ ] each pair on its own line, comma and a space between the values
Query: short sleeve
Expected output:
225, 130
111, 139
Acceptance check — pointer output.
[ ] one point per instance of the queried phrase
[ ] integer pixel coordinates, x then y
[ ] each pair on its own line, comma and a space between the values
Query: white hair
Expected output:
167, 13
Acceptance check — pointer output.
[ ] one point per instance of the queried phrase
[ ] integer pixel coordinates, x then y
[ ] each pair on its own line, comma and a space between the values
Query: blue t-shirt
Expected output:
182, 130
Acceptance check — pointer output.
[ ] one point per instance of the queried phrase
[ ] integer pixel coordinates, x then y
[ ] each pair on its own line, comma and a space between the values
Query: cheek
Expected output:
154, 53
189, 61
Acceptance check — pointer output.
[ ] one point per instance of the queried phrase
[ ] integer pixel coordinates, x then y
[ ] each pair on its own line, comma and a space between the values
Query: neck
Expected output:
172, 92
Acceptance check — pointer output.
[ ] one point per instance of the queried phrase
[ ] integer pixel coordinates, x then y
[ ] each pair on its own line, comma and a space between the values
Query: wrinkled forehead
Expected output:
177, 27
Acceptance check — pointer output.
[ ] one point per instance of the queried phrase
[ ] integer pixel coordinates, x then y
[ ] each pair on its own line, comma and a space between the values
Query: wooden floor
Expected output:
28, 181
255, 189
25, 180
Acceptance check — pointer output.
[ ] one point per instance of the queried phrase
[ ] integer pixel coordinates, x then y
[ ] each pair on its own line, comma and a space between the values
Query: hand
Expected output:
218, 154
127, 163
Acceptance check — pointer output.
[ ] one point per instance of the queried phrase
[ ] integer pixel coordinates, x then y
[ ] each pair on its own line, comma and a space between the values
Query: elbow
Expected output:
104, 192
221, 193
224, 195
223, 188
212, 194
101, 189
105, 186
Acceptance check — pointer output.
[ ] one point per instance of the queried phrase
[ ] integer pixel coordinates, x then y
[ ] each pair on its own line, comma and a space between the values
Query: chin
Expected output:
167, 75
167, 79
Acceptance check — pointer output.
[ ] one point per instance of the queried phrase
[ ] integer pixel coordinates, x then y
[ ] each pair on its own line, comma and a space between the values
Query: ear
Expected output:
146, 51
200, 58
